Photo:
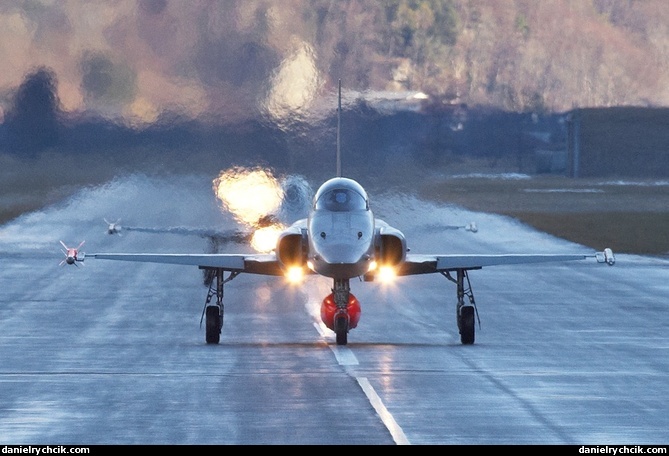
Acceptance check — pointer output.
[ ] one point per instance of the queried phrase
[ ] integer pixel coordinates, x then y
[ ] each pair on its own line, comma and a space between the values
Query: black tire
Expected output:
467, 325
213, 325
341, 328
342, 337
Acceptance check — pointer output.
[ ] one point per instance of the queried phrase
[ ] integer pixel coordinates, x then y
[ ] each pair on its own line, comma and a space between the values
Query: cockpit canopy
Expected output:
341, 195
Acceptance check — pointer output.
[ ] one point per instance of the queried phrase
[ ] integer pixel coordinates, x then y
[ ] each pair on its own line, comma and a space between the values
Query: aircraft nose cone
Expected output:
341, 262
341, 253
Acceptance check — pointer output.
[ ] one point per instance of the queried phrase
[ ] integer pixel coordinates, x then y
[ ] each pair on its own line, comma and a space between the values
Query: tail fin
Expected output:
338, 132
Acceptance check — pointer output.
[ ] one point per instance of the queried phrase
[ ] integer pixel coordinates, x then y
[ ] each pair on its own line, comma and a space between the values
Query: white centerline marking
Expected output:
387, 418
346, 357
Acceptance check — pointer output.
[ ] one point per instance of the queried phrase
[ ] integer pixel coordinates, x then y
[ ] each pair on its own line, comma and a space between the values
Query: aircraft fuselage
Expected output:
341, 230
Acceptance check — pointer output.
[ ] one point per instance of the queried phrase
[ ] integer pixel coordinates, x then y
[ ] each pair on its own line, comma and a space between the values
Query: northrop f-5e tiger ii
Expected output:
341, 239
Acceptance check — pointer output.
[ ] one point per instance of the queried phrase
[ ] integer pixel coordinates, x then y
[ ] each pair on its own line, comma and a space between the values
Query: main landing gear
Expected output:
466, 313
213, 313
340, 311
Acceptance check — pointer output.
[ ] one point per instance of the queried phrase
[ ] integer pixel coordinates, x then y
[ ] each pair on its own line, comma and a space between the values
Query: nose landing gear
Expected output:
340, 310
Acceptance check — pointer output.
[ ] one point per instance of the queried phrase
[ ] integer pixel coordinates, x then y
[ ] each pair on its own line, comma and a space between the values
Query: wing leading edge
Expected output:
425, 264
265, 264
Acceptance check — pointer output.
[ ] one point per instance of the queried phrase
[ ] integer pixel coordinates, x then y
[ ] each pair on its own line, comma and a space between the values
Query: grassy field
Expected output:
629, 217
27, 185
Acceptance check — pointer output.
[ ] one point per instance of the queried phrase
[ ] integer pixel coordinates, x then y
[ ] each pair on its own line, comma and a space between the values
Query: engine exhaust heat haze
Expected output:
262, 202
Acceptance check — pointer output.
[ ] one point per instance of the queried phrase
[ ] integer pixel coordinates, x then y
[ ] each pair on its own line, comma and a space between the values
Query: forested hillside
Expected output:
235, 58
518, 55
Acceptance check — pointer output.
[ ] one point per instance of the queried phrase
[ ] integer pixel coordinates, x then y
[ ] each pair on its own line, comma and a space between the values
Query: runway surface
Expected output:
113, 353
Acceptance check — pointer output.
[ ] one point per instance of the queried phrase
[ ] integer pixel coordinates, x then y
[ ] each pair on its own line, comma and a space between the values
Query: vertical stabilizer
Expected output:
338, 132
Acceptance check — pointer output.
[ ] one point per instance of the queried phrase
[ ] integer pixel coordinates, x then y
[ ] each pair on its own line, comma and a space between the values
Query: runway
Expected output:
113, 353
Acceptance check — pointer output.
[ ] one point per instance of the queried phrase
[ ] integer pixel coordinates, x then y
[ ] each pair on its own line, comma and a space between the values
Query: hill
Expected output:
238, 59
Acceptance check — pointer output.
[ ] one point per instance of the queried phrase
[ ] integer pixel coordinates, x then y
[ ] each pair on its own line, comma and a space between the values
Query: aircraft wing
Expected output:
265, 264
425, 264
237, 236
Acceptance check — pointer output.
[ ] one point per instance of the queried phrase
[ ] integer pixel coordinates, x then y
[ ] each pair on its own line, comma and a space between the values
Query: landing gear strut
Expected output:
341, 292
213, 313
466, 313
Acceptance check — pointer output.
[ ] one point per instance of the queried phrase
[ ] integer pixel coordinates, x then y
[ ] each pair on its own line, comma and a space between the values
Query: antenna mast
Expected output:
338, 129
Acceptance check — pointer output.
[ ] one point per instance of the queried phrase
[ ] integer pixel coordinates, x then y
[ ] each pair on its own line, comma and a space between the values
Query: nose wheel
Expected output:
341, 328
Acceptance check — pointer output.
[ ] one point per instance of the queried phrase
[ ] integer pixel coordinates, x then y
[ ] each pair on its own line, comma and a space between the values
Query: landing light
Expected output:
386, 274
294, 274
372, 266
264, 239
